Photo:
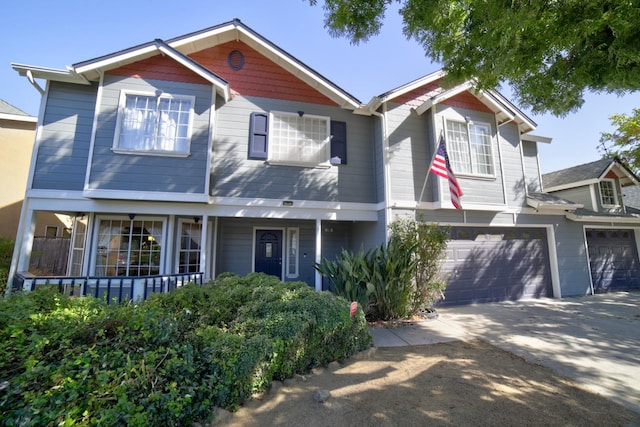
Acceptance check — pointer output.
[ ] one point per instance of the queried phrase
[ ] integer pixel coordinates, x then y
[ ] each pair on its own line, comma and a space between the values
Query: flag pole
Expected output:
433, 158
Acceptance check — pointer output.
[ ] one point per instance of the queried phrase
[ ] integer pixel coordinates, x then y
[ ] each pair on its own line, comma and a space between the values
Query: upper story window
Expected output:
154, 124
469, 148
297, 139
608, 195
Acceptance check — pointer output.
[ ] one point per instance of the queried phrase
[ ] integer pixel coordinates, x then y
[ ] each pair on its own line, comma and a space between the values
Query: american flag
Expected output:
442, 168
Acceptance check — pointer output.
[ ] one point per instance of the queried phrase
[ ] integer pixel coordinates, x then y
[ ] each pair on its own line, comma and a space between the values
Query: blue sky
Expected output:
56, 34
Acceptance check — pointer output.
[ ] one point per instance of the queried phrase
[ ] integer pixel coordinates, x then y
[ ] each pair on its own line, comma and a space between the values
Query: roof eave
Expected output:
601, 218
570, 185
539, 205
53, 74
18, 118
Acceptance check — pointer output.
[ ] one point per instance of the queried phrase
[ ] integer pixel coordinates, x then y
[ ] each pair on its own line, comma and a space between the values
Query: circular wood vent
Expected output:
235, 60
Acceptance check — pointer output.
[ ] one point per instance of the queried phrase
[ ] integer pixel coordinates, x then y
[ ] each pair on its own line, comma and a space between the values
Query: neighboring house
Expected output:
17, 133
217, 151
610, 220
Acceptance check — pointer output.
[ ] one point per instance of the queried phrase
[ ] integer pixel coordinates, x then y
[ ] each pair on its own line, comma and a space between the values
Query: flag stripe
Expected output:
442, 168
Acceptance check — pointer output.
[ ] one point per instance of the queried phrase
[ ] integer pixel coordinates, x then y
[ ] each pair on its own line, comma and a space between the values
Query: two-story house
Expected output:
217, 151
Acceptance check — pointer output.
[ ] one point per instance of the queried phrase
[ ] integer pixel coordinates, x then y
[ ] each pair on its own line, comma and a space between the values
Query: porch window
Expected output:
189, 252
608, 193
154, 124
292, 252
295, 139
129, 247
469, 148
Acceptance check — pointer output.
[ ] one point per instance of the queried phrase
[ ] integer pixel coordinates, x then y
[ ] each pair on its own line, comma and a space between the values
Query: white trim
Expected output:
122, 100
214, 249
442, 96
287, 260
603, 219
614, 191
204, 239
586, 251
172, 242
212, 135
158, 196
501, 163
18, 118
282, 248
553, 261
148, 50
535, 138
94, 130
318, 257
377, 101
33, 71
594, 199
571, 185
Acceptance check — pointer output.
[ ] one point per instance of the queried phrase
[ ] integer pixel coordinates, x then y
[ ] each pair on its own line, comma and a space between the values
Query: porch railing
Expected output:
109, 288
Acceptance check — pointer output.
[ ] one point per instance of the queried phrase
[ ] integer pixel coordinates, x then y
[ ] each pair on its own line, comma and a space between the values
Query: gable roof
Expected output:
179, 48
505, 111
632, 198
10, 112
588, 173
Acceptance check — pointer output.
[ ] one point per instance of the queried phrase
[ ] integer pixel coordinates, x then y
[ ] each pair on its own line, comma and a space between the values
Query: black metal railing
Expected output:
118, 289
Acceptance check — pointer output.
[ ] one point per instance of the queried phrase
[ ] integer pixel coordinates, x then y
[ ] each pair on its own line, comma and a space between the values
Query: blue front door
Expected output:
269, 252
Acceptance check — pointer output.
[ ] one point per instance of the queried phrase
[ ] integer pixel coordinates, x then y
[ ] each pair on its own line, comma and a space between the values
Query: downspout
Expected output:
385, 169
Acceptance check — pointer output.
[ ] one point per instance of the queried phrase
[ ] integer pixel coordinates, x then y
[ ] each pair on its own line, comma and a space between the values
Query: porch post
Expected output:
318, 253
23, 244
204, 231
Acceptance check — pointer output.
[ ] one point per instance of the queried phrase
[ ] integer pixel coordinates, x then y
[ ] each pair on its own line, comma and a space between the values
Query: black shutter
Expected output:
258, 135
339, 142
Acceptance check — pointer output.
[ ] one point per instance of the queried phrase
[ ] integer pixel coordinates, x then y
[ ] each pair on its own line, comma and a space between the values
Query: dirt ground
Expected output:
450, 384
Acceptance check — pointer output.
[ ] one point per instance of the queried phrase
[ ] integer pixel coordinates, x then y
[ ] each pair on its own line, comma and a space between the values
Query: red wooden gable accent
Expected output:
611, 175
259, 76
418, 96
467, 100
159, 67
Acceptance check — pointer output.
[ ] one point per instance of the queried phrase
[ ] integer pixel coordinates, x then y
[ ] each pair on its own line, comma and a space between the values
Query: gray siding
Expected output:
579, 195
63, 148
409, 153
514, 176
234, 175
148, 173
531, 170
379, 158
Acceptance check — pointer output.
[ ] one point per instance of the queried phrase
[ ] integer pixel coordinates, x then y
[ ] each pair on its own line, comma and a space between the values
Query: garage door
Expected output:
613, 258
496, 264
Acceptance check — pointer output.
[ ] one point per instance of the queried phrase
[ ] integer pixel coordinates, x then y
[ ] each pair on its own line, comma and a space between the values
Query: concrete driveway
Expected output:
594, 340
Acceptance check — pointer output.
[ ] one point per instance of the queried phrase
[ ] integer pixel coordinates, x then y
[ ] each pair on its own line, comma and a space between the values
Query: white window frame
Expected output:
156, 152
292, 232
614, 193
179, 248
96, 240
324, 152
473, 165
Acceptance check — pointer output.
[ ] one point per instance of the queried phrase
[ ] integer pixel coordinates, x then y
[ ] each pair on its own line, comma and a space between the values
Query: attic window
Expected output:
235, 60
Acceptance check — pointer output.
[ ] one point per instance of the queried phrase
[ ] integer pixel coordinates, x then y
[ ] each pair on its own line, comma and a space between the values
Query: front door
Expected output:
269, 252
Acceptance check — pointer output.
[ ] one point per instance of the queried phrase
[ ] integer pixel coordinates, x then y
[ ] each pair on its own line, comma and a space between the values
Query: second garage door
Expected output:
613, 259
496, 264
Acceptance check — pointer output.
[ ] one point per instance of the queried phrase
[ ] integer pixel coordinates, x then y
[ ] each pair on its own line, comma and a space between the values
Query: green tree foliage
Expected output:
549, 51
624, 142
6, 252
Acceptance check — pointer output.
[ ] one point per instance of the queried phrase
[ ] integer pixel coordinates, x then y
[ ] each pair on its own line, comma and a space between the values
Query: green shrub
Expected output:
348, 275
168, 361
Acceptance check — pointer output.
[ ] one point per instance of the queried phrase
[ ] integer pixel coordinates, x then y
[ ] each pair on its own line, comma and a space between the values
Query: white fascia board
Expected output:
377, 101
450, 93
488, 99
295, 68
112, 61
536, 204
525, 124
570, 185
156, 196
45, 73
18, 118
221, 85
535, 138
620, 168
608, 219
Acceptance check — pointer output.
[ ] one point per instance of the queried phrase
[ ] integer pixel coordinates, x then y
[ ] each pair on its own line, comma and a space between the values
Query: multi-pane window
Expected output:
608, 193
129, 248
299, 139
469, 148
154, 123
189, 253
292, 252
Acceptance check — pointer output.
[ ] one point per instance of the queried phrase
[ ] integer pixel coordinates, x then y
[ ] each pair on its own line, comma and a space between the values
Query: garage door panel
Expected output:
486, 265
613, 260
